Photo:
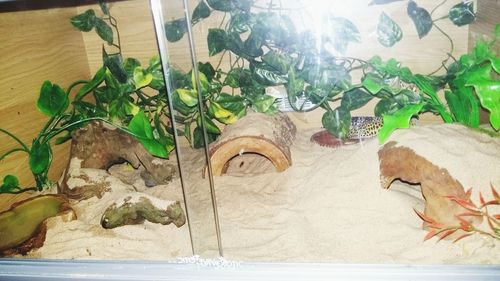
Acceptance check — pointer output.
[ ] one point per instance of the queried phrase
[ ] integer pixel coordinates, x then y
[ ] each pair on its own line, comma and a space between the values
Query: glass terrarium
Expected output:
241, 132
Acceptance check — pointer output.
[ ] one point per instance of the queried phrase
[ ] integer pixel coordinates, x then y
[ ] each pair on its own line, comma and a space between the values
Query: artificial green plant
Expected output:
122, 93
266, 49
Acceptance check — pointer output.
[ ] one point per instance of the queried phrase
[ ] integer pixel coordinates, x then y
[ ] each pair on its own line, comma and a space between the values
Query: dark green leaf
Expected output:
420, 17
85, 21
207, 69
104, 7
239, 23
355, 99
10, 183
208, 124
90, 86
221, 5
216, 41
104, 31
386, 106
114, 63
462, 13
388, 31
337, 122
130, 65
52, 100
60, 140
267, 75
198, 141
174, 30
238, 77
200, 12
40, 157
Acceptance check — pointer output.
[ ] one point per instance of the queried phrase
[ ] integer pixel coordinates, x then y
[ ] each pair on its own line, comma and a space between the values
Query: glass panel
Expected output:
305, 99
185, 94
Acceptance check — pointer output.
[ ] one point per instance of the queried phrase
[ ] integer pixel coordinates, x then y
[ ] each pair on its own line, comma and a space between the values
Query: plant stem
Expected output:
74, 84
25, 147
452, 48
12, 151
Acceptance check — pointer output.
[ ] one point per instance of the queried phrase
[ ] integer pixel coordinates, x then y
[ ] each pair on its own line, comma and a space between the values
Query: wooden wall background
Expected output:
42, 45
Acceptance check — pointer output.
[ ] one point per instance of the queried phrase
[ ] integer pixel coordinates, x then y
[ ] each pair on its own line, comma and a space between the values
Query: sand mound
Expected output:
327, 207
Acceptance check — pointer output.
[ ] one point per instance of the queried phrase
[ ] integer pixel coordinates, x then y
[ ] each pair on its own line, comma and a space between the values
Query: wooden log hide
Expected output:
267, 135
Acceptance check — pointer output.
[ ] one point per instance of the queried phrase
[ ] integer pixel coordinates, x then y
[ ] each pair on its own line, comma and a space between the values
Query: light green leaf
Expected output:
488, 92
188, 97
90, 86
373, 83
142, 78
141, 127
399, 120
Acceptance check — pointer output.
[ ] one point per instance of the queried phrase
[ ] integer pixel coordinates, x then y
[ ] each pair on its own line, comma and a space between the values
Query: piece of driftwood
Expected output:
399, 162
100, 147
23, 227
135, 210
267, 135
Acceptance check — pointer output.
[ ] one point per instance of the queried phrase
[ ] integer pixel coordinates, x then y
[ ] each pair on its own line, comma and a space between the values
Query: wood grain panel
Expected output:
35, 46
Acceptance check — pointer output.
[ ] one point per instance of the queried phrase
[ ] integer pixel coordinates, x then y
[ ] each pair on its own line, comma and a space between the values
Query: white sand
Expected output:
328, 207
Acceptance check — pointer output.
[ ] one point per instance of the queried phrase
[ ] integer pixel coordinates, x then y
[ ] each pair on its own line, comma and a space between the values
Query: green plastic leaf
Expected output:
221, 114
10, 183
239, 23
277, 62
104, 31
205, 85
337, 122
142, 77
264, 104
355, 99
373, 83
462, 13
221, 5
386, 106
399, 120
60, 140
174, 30
40, 157
142, 130
104, 7
341, 32
201, 11
420, 17
487, 91
207, 69
238, 77
235, 104
85, 21
216, 41
114, 63
52, 100
208, 124
266, 75
388, 31
188, 96
198, 141
90, 86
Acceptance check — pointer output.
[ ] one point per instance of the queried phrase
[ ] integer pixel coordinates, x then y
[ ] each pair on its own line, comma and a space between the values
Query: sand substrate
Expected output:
327, 207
